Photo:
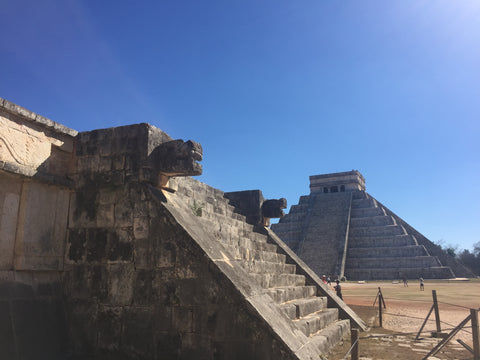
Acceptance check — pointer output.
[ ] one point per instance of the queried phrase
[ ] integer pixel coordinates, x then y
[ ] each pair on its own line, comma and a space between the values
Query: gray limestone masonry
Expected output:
340, 230
108, 256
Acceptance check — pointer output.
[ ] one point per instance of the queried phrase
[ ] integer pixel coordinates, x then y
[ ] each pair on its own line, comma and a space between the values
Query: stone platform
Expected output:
110, 250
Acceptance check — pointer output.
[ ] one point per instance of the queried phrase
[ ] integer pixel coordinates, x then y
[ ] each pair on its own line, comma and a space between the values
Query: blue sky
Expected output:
274, 91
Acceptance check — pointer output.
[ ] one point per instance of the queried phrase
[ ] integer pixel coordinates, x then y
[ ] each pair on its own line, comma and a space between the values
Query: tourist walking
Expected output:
338, 289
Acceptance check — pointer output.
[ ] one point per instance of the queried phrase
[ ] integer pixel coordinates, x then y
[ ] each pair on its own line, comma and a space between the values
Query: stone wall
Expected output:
145, 289
35, 160
33, 222
32, 318
139, 286
34, 146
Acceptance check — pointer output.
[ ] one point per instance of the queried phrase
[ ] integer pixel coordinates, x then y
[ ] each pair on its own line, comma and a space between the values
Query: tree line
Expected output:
468, 258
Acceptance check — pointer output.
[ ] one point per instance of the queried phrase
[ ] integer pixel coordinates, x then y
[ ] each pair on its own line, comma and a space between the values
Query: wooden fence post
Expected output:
437, 312
424, 322
475, 334
450, 335
354, 344
380, 307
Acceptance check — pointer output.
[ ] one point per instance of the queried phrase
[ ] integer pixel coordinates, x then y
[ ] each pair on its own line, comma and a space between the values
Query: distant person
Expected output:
329, 281
324, 279
338, 289
422, 285
405, 281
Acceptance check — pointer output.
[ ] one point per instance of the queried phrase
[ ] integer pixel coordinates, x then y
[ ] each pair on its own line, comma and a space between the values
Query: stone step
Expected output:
287, 293
363, 203
389, 262
300, 210
261, 267
255, 236
233, 231
284, 226
372, 221
251, 244
312, 323
214, 215
211, 211
293, 217
330, 336
399, 251
287, 232
274, 280
367, 212
223, 231
375, 241
438, 272
359, 195
304, 199
298, 308
212, 204
377, 231
241, 253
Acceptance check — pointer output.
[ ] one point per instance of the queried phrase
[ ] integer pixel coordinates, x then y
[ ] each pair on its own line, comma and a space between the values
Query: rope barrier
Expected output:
418, 318
404, 333
460, 306
417, 300
407, 316
351, 348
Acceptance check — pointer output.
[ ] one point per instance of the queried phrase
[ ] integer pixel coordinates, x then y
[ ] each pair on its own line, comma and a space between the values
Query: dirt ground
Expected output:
406, 309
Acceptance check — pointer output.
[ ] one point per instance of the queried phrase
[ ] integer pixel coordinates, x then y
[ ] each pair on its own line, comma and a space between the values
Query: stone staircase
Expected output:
380, 248
304, 304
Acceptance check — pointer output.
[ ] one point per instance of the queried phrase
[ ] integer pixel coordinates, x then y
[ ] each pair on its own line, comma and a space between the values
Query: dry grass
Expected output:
406, 309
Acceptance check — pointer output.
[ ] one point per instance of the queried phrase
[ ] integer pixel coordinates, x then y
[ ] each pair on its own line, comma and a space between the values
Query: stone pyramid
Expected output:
341, 230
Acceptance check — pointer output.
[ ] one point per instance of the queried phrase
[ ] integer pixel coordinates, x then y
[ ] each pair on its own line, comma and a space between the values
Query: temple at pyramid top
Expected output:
337, 182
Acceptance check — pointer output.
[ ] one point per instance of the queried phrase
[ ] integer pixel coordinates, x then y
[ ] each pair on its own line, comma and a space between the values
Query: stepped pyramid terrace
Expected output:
111, 250
341, 230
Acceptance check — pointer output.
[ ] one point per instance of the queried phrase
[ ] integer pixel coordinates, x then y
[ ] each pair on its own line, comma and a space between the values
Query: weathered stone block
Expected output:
120, 285
106, 215
9, 203
145, 257
142, 288
141, 209
141, 226
123, 213
104, 163
76, 245
166, 255
169, 345
137, 332
182, 319
118, 162
120, 245
96, 246
109, 327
